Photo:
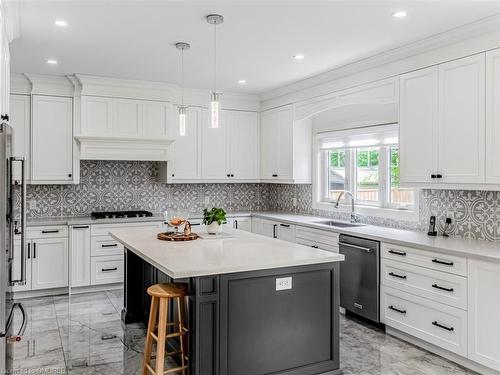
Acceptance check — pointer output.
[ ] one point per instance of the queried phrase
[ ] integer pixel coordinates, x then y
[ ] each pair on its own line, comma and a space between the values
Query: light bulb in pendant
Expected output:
214, 109
182, 120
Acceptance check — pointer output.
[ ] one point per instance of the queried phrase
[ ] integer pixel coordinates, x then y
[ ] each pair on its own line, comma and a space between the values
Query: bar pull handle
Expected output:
236, 224
34, 250
442, 262
109, 269
275, 175
397, 310
434, 323
396, 275
315, 246
12, 160
367, 249
47, 231
400, 253
109, 245
285, 225
81, 227
442, 288
275, 226
29, 250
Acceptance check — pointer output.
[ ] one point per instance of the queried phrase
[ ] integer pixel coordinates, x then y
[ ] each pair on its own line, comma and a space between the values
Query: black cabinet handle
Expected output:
433, 176
50, 231
34, 250
275, 175
29, 251
397, 310
442, 262
439, 176
232, 175
81, 227
442, 288
434, 323
396, 275
195, 224
173, 175
401, 253
315, 246
109, 245
228, 175
275, 226
236, 224
285, 225
70, 175
109, 269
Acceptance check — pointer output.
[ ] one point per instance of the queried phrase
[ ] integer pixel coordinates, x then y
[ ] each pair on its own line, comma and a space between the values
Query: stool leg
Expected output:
149, 339
181, 310
162, 333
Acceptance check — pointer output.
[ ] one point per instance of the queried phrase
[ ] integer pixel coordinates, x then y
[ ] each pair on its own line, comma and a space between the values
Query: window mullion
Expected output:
383, 176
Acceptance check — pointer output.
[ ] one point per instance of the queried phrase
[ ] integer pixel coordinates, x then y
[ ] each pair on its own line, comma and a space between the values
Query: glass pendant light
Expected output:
214, 105
181, 109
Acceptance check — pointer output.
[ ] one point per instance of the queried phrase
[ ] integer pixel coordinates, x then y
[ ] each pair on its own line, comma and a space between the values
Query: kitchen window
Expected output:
364, 161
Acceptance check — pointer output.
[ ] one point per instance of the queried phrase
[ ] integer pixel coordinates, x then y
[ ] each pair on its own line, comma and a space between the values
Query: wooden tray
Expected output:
176, 237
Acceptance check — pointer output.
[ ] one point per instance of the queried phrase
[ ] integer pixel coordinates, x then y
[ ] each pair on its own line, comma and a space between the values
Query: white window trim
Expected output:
318, 179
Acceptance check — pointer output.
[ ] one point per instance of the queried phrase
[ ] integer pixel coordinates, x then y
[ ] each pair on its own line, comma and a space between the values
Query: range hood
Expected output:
123, 148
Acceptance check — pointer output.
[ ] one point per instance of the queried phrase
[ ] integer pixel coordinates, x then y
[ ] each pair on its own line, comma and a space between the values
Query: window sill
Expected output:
387, 213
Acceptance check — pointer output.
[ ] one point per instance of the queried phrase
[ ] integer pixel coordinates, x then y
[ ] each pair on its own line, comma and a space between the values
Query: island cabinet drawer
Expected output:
318, 245
107, 269
427, 320
49, 231
437, 261
104, 229
106, 245
436, 285
316, 235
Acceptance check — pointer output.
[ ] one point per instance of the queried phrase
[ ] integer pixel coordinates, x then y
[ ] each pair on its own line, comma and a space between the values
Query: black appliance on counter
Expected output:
120, 214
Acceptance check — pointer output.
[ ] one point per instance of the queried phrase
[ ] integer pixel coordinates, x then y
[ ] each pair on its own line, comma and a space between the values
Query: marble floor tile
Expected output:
83, 335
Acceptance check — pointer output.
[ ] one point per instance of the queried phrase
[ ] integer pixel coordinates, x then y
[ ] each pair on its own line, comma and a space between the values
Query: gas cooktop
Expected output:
120, 214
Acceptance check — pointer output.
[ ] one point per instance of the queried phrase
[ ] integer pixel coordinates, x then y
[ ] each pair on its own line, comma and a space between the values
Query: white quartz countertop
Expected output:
242, 252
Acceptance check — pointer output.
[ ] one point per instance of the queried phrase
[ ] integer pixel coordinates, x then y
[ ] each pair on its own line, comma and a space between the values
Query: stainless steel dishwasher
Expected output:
359, 276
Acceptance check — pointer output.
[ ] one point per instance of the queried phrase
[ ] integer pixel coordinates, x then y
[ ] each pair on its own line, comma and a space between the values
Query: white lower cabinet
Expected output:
80, 255
49, 263
286, 232
107, 269
316, 238
484, 313
242, 223
269, 228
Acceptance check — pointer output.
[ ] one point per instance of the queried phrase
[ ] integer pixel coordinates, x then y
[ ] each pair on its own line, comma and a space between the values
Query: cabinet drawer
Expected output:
106, 245
107, 269
104, 229
427, 320
436, 285
323, 236
50, 231
417, 257
318, 245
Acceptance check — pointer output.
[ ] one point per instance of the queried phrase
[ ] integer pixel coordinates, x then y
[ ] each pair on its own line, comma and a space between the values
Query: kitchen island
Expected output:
257, 305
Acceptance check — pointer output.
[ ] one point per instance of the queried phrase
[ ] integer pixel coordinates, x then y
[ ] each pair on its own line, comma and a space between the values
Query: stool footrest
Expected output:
171, 370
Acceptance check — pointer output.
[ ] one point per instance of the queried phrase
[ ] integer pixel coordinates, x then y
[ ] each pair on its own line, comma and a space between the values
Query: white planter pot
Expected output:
214, 228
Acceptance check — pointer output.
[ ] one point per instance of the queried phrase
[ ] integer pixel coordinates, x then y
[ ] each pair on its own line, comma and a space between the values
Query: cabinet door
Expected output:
484, 305
97, 115
127, 117
493, 116
80, 255
269, 228
285, 136
270, 144
52, 140
185, 150
155, 118
243, 144
461, 129
21, 125
16, 266
214, 149
256, 225
49, 263
243, 223
418, 109
286, 232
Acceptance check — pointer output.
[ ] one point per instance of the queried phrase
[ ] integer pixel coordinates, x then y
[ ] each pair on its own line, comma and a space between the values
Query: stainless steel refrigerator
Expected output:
13, 317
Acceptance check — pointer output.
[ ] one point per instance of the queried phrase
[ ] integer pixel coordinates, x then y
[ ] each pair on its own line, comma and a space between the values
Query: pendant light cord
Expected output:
215, 58
182, 77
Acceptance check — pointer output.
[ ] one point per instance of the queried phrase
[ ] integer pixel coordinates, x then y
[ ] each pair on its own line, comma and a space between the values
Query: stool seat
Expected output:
171, 290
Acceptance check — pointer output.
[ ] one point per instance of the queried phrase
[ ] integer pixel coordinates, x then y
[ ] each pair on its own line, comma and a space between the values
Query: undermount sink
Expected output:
339, 224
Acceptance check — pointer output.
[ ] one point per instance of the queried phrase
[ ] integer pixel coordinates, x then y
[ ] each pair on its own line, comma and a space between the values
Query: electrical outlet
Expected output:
294, 202
283, 283
207, 200
32, 204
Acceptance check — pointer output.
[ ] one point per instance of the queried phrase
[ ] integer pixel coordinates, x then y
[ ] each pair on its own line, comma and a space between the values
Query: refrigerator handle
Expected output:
22, 281
20, 333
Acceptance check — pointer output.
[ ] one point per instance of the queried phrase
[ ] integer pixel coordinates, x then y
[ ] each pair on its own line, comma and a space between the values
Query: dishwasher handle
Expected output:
367, 249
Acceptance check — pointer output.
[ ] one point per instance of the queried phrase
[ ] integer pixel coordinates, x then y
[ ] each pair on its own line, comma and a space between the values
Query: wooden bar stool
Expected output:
161, 295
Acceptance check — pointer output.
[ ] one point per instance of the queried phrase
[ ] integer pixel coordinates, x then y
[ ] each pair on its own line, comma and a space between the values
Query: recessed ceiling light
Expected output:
51, 62
242, 81
399, 14
61, 23
299, 57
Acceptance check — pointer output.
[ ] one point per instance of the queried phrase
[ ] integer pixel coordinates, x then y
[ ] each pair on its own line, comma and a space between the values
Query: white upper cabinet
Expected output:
286, 147
442, 124
155, 118
21, 124
418, 125
461, 129
97, 115
493, 116
214, 149
243, 135
127, 117
185, 157
52, 140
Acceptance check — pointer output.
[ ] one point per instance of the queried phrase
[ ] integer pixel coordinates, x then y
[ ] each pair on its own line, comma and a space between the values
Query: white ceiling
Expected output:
134, 39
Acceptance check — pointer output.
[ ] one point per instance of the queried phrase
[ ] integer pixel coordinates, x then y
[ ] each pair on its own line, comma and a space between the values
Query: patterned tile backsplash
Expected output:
121, 185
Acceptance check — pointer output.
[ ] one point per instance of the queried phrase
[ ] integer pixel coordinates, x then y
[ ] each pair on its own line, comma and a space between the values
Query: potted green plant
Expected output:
214, 219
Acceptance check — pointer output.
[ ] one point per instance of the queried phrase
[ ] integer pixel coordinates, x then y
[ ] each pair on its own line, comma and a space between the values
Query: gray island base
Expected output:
252, 322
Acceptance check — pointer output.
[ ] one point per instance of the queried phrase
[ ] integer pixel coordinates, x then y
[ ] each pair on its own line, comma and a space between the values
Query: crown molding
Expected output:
458, 34
12, 17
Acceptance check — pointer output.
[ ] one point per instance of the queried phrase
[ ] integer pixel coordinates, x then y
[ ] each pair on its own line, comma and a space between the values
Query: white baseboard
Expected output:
96, 288
465, 362
67, 290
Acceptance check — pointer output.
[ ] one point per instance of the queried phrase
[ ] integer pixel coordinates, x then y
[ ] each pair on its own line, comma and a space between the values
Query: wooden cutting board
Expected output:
176, 237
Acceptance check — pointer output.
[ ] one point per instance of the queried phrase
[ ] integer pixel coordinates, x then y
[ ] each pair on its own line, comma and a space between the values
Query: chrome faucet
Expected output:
354, 217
